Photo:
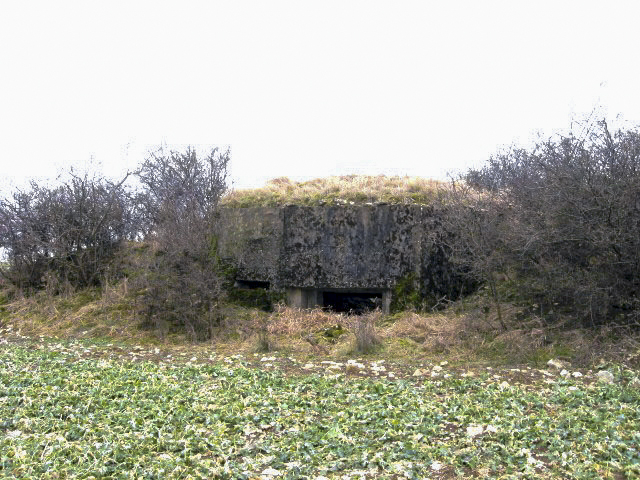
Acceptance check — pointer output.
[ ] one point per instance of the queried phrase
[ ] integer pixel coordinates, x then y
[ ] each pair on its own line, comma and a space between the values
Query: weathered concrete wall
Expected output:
308, 250
350, 247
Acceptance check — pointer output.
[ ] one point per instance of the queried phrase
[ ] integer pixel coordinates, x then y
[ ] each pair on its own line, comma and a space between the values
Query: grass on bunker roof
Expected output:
340, 190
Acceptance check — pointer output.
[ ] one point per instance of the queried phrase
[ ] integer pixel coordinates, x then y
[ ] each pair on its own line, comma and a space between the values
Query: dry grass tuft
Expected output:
444, 333
306, 324
429, 330
263, 342
342, 190
364, 329
294, 321
592, 347
516, 346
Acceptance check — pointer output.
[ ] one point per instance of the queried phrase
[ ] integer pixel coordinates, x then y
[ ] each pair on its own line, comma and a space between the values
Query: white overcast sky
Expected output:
305, 88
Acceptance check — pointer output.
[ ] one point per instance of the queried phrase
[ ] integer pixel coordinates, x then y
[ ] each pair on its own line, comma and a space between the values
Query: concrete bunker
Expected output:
346, 257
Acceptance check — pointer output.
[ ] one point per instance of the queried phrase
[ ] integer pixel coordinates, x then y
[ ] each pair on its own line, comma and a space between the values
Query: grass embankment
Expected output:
343, 190
463, 337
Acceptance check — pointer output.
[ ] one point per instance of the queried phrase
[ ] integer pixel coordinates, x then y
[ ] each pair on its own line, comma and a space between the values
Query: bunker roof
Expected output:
340, 190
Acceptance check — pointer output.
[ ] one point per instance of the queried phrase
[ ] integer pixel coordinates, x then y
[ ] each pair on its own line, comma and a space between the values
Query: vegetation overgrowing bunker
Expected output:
341, 242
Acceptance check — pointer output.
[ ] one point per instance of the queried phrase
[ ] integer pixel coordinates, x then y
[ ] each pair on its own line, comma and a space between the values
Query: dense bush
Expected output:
561, 221
65, 235
70, 235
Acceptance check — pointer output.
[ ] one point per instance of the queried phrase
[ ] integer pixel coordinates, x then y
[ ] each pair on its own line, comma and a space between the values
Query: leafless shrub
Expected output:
180, 196
65, 235
561, 221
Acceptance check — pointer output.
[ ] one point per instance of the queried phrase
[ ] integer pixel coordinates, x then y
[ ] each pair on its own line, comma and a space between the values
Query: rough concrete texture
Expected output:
350, 247
337, 247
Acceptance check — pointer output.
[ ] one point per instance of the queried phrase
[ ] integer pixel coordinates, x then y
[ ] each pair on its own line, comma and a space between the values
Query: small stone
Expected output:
605, 376
503, 385
491, 429
271, 472
555, 363
437, 368
435, 466
564, 373
474, 430
418, 373
576, 374
355, 364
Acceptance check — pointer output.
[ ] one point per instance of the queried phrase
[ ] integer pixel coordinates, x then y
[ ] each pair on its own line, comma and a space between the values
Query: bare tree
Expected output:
180, 196
477, 223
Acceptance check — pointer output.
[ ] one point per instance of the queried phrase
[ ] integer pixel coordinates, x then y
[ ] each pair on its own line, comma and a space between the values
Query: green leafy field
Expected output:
70, 410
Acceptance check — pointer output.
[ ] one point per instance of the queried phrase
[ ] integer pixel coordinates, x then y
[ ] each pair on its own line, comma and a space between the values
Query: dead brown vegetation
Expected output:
463, 334
294, 321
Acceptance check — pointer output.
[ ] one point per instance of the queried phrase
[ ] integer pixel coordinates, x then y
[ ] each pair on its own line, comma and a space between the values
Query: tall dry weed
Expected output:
364, 329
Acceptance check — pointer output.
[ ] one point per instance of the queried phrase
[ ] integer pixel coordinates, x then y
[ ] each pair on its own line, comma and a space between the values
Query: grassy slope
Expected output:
459, 337
351, 189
